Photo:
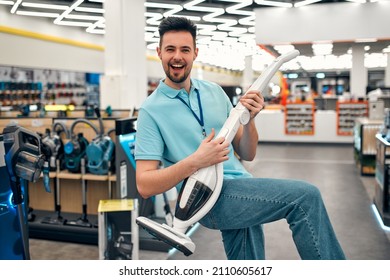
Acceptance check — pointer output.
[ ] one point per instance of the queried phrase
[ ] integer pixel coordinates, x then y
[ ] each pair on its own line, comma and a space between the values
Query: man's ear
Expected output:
196, 53
158, 50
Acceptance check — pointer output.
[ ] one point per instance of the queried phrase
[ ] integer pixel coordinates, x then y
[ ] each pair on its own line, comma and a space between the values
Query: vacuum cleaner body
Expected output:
200, 191
100, 153
54, 144
75, 150
24, 162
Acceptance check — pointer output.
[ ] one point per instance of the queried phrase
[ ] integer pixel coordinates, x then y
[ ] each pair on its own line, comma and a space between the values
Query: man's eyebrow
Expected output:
180, 47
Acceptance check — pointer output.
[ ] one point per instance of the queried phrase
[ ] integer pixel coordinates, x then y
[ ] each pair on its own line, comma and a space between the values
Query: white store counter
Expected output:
270, 125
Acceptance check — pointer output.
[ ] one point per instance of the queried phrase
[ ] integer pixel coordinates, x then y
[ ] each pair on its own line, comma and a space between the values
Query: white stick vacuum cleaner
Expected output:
201, 190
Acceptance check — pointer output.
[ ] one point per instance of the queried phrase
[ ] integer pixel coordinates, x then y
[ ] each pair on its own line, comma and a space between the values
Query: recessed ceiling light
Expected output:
274, 3
320, 75
366, 40
305, 3
282, 49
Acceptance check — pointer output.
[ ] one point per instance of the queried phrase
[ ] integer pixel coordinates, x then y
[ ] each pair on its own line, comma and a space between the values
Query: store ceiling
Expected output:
221, 22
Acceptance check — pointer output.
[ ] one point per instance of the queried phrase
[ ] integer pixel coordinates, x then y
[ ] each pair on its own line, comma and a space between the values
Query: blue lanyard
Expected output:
200, 120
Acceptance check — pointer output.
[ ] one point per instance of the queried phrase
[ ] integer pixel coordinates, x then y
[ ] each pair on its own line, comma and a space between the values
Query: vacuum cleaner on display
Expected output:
83, 220
23, 162
76, 148
54, 144
101, 151
201, 190
75, 160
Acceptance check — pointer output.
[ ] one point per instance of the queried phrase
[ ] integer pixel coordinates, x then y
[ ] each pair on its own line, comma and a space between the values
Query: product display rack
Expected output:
347, 113
382, 176
299, 118
78, 192
19, 93
67, 232
364, 141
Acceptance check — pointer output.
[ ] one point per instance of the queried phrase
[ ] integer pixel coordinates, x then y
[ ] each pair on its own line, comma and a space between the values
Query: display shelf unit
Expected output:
83, 224
382, 179
299, 118
71, 201
364, 141
347, 113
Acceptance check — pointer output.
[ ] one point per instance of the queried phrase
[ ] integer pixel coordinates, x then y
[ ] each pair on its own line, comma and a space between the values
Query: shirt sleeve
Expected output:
149, 144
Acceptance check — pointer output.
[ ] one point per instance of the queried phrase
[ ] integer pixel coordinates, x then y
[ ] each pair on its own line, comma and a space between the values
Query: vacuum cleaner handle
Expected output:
263, 80
99, 117
240, 114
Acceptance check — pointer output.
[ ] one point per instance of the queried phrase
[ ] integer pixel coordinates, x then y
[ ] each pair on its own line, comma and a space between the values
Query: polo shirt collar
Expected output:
172, 93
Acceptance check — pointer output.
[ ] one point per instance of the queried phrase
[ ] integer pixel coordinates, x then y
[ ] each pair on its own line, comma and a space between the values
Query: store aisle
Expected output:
348, 198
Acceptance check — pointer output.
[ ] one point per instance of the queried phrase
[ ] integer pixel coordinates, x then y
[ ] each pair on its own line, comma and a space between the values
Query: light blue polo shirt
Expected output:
168, 131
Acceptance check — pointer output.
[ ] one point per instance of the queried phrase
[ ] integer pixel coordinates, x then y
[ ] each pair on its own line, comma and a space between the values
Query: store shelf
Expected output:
84, 235
365, 131
94, 177
270, 125
62, 232
382, 176
82, 225
65, 174
299, 118
347, 113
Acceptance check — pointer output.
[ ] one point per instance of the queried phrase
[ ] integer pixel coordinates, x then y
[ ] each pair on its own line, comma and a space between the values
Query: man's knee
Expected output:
309, 191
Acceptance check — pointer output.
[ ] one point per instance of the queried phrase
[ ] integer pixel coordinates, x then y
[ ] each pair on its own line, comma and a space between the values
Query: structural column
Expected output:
124, 83
359, 73
247, 77
387, 71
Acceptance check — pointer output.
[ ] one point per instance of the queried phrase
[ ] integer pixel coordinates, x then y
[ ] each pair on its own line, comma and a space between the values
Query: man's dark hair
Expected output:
177, 24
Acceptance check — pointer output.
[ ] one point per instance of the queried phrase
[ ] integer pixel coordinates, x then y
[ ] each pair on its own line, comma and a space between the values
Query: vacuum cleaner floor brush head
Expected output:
168, 235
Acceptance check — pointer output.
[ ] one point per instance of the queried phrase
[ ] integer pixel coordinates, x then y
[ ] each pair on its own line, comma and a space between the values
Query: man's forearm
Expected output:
156, 181
248, 141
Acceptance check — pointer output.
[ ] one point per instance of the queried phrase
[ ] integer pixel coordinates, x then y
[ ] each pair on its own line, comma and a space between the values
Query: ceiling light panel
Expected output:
6, 2
274, 3
89, 10
44, 6
305, 3
37, 14
15, 6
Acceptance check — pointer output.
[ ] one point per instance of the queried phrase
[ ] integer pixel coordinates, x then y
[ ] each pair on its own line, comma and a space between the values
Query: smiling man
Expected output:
177, 124
177, 57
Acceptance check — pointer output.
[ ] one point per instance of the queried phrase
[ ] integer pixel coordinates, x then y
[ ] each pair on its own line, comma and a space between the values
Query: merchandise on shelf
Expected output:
382, 182
365, 144
19, 93
299, 118
347, 112
22, 86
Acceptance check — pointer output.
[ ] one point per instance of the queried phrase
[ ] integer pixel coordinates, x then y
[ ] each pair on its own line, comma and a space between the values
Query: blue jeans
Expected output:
245, 204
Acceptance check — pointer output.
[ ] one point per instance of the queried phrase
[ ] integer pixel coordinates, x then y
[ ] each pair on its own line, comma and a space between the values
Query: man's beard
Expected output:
176, 79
